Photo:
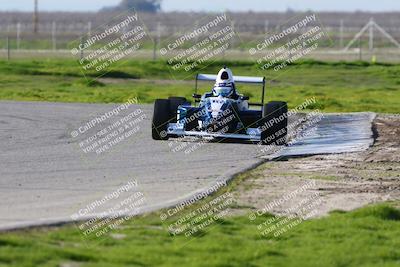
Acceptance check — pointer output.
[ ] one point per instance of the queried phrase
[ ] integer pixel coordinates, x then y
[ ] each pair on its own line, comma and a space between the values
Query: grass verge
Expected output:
368, 236
338, 87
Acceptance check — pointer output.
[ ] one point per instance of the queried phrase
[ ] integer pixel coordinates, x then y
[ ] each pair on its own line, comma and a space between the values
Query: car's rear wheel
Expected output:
161, 117
274, 123
177, 98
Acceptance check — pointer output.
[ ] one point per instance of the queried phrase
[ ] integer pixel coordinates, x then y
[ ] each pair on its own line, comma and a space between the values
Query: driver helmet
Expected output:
224, 84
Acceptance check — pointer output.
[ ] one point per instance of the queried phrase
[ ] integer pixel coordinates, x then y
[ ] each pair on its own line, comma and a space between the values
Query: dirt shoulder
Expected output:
317, 185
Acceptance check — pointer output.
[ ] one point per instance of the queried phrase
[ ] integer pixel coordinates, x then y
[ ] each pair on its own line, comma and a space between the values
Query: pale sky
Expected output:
213, 5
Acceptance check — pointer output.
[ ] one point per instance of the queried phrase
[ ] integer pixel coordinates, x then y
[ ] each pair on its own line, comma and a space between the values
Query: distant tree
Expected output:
152, 6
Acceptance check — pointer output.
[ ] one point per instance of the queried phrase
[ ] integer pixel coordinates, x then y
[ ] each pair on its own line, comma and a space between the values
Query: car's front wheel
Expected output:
274, 123
161, 118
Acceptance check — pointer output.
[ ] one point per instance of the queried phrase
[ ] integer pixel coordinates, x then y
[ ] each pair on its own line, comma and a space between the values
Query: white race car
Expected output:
221, 113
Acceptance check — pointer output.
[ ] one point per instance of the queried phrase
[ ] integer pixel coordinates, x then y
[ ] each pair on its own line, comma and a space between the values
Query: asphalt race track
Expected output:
47, 175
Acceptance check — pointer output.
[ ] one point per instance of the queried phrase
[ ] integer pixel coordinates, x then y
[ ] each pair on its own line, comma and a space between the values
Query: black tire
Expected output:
174, 103
177, 98
161, 117
274, 123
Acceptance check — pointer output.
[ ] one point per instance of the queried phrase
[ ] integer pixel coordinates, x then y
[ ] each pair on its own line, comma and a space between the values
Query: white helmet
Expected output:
224, 84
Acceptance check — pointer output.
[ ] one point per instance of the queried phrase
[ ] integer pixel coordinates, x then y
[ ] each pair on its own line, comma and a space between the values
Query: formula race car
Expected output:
221, 113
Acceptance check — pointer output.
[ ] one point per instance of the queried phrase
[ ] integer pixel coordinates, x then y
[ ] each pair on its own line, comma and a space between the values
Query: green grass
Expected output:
369, 236
337, 86
366, 237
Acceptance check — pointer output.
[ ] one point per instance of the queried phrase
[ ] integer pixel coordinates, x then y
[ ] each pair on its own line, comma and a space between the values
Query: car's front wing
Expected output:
252, 134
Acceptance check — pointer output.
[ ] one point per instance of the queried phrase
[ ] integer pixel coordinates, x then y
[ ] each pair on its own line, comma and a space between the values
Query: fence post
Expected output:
82, 49
233, 26
53, 35
18, 35
371, 34
341, 34
8, 42
89, 29
36, 18
196, 25
8, 48
157, 41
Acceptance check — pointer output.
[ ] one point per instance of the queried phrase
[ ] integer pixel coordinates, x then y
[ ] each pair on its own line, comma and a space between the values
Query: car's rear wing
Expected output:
237, 79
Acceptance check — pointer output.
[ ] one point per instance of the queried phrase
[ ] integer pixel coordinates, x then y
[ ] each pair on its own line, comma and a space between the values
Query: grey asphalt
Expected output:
46, 177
